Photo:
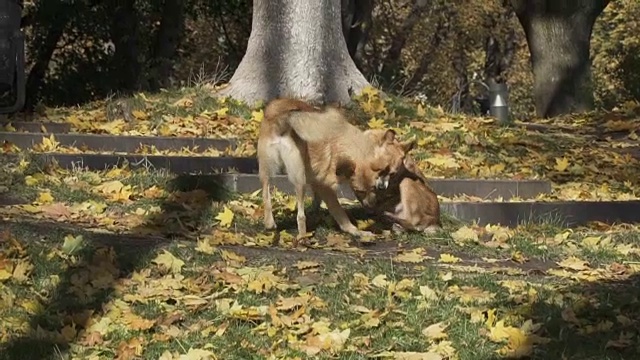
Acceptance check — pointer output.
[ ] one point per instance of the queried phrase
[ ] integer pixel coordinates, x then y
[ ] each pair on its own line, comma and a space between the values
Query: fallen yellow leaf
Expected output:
225, 217
169, 262
44, 198
435, 331
561, 164
448, 259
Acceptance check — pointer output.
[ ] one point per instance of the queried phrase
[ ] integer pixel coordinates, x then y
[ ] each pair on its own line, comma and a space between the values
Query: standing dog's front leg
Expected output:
316, 203
338, 213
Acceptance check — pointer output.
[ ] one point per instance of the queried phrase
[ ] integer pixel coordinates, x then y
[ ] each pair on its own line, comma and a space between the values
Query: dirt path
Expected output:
355, 252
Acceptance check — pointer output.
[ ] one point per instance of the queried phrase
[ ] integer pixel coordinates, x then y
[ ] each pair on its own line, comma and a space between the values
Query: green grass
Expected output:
203, 198
342, 286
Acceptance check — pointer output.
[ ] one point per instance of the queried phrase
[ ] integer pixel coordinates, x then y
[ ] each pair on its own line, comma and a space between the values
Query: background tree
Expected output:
296, 48
166, 43
71, 54
559, 35
124, 35
615, 49
356, 23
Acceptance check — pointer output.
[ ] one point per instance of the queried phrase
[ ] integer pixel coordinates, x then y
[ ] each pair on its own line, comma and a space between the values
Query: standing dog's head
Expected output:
385, 162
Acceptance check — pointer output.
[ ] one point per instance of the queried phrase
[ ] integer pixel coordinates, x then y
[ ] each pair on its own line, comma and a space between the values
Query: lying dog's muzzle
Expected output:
382, 183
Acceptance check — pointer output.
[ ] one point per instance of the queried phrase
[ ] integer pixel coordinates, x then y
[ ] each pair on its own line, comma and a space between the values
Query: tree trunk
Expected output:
296, 49
558, 34
442, 31
392, 66
462, 99
499, 49
167, 41
47, 44
124, 34
356, 25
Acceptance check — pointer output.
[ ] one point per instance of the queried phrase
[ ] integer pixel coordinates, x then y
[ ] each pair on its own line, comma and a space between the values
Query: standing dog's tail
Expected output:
310, 123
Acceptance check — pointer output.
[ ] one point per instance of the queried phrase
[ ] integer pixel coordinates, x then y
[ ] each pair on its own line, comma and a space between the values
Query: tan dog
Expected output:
320, 148
408, 201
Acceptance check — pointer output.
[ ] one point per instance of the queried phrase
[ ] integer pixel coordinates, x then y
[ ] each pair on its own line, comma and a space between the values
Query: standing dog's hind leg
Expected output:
269, 221
300, 216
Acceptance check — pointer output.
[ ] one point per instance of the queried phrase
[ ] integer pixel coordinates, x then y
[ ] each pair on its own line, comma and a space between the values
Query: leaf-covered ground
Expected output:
64, 295
130, 264
591, 156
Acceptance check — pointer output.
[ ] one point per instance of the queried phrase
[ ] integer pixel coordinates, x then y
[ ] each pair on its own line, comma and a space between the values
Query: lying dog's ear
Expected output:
408, 145
389, 136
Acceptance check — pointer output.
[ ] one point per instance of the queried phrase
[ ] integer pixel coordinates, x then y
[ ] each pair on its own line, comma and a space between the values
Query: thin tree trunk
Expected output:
463, 95
499, 52
167, 41
391, 63
442, 30
296, 49
558, 35
46, 47
124, 34
356, 25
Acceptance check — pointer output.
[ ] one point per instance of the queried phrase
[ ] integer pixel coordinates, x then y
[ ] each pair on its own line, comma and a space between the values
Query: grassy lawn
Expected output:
143, 264
65, 294
140, 264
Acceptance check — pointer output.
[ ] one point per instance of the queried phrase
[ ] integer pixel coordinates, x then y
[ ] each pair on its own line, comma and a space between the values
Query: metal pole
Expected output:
499, 102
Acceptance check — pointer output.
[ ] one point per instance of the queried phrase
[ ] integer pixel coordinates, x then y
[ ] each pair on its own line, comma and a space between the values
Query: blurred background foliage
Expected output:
80, 50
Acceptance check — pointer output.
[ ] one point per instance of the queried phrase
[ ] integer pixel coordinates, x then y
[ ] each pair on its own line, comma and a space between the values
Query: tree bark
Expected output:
58, 15
391, 64
463, 99
356, 25
167, 41
558, 34
296, 49
124, 34
442, 31
499, 49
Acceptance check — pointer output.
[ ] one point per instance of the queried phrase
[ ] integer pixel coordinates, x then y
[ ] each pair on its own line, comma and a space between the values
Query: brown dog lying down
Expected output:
408, 201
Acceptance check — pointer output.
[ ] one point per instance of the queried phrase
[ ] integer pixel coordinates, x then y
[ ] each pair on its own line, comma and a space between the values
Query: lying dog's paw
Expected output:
430, 230
397, 228
364, 233
365, 237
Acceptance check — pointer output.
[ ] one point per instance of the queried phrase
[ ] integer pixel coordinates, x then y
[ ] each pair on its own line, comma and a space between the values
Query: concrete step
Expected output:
244, 179
175, 164
38, 126
485, 189
565, 213
117, 143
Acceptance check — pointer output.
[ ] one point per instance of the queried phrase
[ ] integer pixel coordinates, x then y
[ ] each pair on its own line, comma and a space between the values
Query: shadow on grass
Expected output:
585, 321
100, 264
88, 282
190, 207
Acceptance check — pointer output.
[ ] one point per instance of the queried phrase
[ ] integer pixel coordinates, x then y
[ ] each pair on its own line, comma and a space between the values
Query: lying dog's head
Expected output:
386, 161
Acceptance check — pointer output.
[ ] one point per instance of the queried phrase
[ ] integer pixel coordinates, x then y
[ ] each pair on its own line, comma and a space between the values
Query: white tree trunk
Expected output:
296, 49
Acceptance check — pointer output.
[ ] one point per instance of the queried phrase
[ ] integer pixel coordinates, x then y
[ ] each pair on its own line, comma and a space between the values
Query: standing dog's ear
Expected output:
346, 169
